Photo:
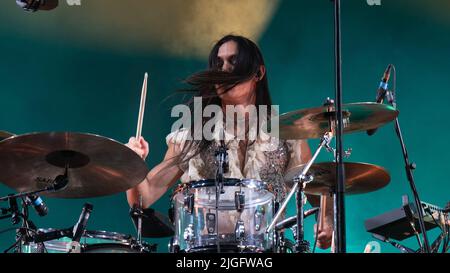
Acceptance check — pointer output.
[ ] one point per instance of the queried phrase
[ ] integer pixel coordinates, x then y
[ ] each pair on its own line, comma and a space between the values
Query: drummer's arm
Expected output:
158, 180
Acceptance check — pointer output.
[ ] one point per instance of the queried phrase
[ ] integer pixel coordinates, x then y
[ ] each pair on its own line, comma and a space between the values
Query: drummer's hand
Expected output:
138, 146
325, 234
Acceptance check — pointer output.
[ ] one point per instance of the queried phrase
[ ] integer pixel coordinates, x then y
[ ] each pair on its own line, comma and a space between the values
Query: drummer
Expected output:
236, 75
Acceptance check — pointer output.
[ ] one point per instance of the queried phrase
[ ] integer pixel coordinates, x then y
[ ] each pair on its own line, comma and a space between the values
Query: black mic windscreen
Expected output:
34, 5
48, 4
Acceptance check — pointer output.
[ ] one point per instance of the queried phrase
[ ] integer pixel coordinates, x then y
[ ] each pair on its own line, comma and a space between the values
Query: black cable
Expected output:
434, 220
447, 238
14, 245
428, 210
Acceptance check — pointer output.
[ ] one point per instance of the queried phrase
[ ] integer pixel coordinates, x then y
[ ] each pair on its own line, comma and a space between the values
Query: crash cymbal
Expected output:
5, 135
314, 122
359, 177
154, 224
96, 166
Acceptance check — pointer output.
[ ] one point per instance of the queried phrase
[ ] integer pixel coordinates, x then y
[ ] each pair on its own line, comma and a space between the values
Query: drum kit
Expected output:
245, 219
211, 215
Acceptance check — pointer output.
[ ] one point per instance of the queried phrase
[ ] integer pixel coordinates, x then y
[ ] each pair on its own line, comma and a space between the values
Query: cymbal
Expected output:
154, 224
5, 135
314, 122
96, 166
359, 177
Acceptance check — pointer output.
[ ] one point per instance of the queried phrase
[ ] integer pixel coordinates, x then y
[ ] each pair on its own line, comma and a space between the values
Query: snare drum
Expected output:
246, 208
91, 242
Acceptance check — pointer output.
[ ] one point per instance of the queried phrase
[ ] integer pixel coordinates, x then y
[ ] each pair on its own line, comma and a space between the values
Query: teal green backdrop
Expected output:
53, 85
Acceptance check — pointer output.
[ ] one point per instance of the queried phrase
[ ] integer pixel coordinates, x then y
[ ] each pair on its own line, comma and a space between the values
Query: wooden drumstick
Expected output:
142, 107
332, 242
323, 209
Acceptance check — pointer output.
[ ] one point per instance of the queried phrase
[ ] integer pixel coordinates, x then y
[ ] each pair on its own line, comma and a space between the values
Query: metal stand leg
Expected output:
301, 180
301, 246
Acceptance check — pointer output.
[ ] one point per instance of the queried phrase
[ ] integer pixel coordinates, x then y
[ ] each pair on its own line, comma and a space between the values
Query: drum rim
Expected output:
108, 235
97, 234
88, 247
226, 246
195, 184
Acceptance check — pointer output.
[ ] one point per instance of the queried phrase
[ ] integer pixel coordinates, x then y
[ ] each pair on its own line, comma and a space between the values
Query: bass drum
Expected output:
109, 242
91, 242
246, 208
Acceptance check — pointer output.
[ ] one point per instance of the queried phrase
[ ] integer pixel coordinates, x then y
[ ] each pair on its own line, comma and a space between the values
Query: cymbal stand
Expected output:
300, 181
222, 167
23, 233
58, 183
138, 213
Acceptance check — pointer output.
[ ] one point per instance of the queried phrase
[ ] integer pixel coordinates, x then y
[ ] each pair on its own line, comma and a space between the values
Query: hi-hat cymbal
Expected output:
359, 177
314, 122
96, 166
5, 135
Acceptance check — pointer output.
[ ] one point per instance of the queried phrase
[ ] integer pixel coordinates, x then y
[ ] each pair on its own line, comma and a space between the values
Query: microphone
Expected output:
80, 226
381, 92
402, 248
37, 203
34, 5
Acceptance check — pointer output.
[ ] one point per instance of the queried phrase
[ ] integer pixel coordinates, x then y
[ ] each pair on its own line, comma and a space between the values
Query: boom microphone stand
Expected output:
222, 168
339, 208
409, 167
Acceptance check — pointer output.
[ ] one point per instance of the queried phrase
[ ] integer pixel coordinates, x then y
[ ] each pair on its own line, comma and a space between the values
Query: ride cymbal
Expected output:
315, 122
359, 177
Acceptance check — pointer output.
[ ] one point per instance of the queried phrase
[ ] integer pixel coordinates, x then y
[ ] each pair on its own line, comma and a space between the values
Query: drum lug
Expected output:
211, 222
189, 203
240, 231
189, 235
74, 247
173, 247
239, 201
258, 217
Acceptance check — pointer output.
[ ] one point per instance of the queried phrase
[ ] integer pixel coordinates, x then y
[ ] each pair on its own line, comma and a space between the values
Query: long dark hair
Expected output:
203, 84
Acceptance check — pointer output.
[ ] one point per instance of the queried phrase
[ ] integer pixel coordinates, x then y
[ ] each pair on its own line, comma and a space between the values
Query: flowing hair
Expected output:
204, 84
